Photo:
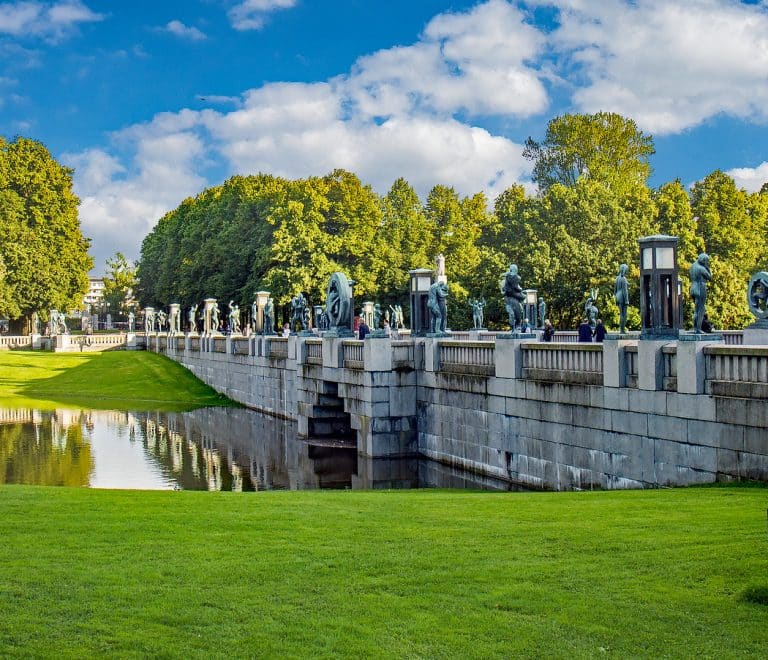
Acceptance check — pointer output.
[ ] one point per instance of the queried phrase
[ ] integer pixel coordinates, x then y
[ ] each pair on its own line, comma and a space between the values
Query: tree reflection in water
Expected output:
206, 449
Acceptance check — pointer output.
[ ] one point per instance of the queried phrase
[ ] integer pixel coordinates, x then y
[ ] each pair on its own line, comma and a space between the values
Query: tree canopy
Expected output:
593, 203
43, 254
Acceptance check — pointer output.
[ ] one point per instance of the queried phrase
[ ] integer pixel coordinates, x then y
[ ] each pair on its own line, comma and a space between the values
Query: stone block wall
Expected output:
525, 422
560, 436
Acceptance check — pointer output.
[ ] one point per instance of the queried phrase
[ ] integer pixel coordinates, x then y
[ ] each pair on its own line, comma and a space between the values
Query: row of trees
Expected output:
592, 204
44, 260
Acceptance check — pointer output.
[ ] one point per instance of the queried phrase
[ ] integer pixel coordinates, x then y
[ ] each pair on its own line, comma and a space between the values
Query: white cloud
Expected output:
750, 178
51, 21
669, 65
474, 62
251, 14
178, 28
397, 113
120, 204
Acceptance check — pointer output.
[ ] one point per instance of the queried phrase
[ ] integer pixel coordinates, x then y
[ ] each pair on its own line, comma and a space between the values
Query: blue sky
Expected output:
152, 101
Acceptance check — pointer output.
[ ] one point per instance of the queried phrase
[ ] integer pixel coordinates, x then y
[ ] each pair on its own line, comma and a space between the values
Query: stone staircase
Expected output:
329, 425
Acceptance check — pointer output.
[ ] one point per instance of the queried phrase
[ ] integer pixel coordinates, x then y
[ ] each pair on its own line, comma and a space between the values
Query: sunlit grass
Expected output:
383, 574
103, 380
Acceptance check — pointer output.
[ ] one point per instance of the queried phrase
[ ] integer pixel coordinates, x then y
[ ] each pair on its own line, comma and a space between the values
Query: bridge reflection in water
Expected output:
206, 449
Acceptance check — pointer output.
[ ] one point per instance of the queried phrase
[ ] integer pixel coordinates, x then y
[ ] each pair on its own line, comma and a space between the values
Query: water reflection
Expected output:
206, 449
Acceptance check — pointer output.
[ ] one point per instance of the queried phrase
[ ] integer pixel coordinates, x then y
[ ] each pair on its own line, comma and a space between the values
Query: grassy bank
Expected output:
383, 574
111, 379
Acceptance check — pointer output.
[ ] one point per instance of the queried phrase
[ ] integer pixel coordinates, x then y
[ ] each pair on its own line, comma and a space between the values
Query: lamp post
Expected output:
421, 280
659, 287
531, 301
261, 302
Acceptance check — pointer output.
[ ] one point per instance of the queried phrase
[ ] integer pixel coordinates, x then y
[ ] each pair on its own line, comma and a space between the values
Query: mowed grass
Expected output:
133, 380
383, 574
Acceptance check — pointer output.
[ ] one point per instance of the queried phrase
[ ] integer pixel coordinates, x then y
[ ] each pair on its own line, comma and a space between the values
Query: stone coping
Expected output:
756, 351
475, 343
571, 346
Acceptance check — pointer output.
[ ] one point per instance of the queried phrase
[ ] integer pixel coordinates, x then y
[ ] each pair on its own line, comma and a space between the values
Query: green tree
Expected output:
605, 146
119, 283
406, 241
572, 239
734, 233
41, 244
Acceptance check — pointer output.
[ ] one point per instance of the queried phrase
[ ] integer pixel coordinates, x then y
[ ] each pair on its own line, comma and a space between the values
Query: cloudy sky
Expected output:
152, 101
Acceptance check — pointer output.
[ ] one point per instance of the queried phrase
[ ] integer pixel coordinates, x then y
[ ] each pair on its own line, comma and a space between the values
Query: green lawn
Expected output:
383, 574
133, 380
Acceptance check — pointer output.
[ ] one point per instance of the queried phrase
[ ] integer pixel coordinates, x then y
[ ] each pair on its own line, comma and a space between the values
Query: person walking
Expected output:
363, 330
549, 331
585, 332
599, 331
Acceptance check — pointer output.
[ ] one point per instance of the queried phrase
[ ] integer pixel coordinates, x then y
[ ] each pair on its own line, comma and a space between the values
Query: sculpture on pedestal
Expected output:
621, 295
396, 316
192, 318
215, 318
513, 297
298, 312
477, 313
542, 313
234, 318
438, 310
131, 321
149, 321
269, 317
338, 302
590, 309
700, 275
757, 295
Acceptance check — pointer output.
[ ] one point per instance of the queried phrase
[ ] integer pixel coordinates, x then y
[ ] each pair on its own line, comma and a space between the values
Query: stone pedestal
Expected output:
509, 354
691, 367
431, 349
614, 361
756, 335
377, 354
61, 343
332, 354
650, 364
208, 316
174, 312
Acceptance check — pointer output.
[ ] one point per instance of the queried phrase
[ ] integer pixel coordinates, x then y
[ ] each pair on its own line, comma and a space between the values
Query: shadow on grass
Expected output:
114, 380
756, 595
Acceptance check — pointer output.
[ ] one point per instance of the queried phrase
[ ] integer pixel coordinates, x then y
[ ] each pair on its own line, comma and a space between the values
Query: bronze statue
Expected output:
621, 296
269, 317
700, 275
477, 313
438, 310
513, 297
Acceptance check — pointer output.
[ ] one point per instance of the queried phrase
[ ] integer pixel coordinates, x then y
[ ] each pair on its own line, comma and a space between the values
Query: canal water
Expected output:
206, 449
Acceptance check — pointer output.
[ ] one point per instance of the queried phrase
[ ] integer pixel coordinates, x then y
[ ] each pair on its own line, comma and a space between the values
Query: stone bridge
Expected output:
625, 414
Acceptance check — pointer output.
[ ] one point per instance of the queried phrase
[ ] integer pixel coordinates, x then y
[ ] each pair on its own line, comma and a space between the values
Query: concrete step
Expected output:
330, 401
329, 427
324, 412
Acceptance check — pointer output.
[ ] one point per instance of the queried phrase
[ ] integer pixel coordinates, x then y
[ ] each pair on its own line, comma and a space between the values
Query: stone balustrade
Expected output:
740, 371
314, 349
402, 354
8, 342
352, 353
277, 347
567, 363
467, 357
